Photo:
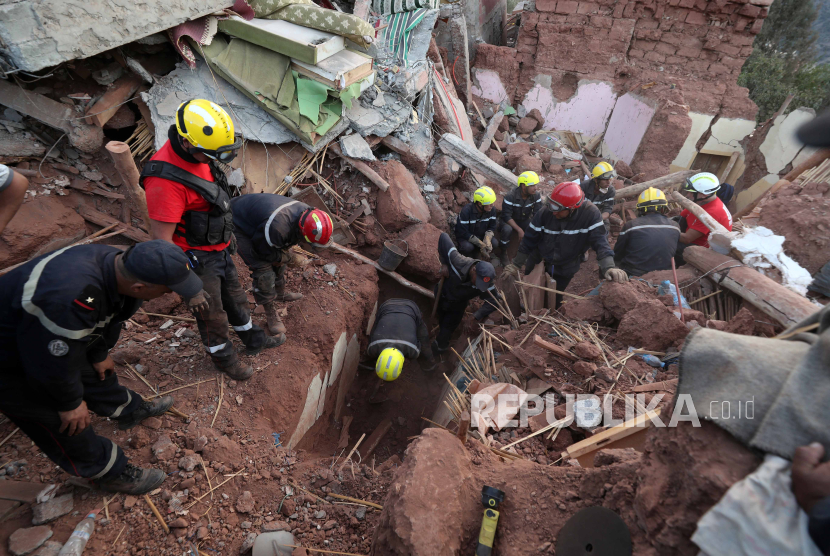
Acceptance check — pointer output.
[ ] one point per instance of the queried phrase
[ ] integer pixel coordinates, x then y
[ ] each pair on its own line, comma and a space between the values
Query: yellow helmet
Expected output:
389, 364
484, 195
603, 171
528, 178
651, 199
209, 128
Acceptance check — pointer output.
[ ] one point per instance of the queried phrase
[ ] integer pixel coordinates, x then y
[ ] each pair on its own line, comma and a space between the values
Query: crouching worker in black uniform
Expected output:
60, 314
464, 279
267, 225
649, 241
400, 332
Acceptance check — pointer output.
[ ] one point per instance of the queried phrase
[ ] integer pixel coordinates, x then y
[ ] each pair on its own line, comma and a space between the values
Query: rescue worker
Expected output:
13, 187
561, 233
399, 333
188, 201
60, 314
476, 224
518, 208
266, 226
599, 190
649, 241
464, 280
702, 189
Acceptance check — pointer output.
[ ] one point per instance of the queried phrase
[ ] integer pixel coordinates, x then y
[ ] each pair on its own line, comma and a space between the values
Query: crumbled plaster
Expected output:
586, 112
684, 158
726, 136
488, 85
781, 146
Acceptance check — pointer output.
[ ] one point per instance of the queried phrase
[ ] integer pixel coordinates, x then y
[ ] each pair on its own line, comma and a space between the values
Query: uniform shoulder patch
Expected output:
90, 300
58, 348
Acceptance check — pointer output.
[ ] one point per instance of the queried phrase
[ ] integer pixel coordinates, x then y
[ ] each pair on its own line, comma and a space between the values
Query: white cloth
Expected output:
6, 176
758, 516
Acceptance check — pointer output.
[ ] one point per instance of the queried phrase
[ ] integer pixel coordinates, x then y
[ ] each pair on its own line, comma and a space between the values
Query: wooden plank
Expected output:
636, 441
553, 348
666, 182
361, 167
394, 275
490, 131
714, 226
8, 508
654, 386
368, 447
343, 443
602, 439
106, 107
477, 162
783, 305
22, 491
729, 165
103, 219
50, 112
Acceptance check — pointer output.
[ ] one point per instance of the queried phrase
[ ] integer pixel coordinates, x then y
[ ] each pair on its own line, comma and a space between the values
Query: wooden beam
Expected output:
106, 107
470, 157
601, 439
663, 183
490, 131
103, 219
394, 275
654, 386
783, 305
50, 112
729, 165
361, 167
714, 226
125, 165
372, 442
553, 348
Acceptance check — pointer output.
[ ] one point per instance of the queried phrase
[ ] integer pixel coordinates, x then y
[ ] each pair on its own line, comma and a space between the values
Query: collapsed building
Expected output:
389, 126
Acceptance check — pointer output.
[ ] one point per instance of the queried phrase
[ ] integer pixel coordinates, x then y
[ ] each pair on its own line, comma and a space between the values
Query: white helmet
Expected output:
704, 183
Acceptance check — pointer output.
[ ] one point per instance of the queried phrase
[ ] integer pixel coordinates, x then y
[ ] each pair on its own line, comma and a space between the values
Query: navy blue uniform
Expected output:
266, 226
646, 243
471, 222
518, 209
399, 325
457, 291
59, 314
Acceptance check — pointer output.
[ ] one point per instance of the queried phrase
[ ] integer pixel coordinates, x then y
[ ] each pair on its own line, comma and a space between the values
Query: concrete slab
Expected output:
321, 404
337, 356
628, 124
349, 372
781, 146
41, 33
727, 133
355, 146
309, 415
684, 158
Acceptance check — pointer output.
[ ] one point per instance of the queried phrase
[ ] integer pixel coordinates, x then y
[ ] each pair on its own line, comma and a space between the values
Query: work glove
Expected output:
477, 242
484, 254
616, 275
232, 246
488, 241
199, 303
512, 270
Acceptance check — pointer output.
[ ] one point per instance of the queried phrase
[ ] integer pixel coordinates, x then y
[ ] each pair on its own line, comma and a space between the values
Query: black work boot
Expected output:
147, 408
238, 371
270, 342
283, 295
133, 480
437, 349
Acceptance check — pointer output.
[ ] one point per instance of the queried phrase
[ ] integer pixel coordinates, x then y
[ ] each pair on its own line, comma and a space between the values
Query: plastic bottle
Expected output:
80, 536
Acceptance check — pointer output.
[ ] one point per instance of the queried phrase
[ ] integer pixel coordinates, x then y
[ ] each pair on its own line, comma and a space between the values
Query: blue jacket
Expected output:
270, 222
473, 223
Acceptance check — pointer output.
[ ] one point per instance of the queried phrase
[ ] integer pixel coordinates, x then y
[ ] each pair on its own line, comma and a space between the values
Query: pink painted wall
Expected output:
586, 112
628, 125
487, 85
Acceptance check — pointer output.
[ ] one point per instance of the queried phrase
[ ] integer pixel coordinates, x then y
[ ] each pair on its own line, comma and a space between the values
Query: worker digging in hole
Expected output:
476, 225
519, 207
464, 280
188, 200
266, 227
60, 314
649, 241
560, 234
399, 333
702, 189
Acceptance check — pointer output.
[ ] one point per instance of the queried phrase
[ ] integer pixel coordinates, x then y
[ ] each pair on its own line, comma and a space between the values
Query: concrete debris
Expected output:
25, 541
367, 119
52, 509
355, 146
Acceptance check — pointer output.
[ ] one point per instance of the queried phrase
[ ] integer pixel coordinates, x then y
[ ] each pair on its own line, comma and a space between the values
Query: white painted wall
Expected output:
700, 123
628, 124
781, 146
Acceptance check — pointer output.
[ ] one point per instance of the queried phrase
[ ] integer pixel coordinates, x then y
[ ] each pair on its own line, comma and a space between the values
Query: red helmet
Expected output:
566, 196
316, 226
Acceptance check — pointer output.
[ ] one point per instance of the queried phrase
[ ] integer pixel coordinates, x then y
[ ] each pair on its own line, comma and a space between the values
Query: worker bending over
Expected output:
399, 333
188, 200
600, 192
476, 224
649, 241
60, 314
266, 226
702, 189
464, 279
518, 208
561, 233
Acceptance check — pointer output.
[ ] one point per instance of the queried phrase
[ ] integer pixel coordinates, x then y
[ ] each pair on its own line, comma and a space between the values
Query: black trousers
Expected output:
467, 249
450, 314
506, 230
83, 455
268, 276
228, 304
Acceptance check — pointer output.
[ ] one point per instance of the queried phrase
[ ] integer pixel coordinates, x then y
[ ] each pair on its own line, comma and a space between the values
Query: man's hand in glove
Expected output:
488, 241
199, 303
484, 254
511, 270
477, 242
232, 246
616, 275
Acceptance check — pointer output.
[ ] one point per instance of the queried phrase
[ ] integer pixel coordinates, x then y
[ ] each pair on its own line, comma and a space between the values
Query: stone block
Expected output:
756, 26
696, 18
515, 151
655, 57
750, 11
567, 7
444, 170
546, 5
688, 52
422, 258
648, 34
527, 125
52, 509
634, 53
587, 8
27, 540
601, 21
728, 49
665, 48
42, 224
528, 163
718, 69
403, 203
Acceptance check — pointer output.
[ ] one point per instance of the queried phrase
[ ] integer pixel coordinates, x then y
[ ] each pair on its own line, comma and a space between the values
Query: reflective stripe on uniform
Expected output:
110, 463
650, 226
401, 342
449, 262
120, 408
479, 220
568, 232
271, 219
247, 326
214, 349
29, 289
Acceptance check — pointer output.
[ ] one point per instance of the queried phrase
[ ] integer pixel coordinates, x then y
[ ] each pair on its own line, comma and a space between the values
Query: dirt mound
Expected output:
619, 299
651, 325
801, 217
41, 225
422, 260
589, 309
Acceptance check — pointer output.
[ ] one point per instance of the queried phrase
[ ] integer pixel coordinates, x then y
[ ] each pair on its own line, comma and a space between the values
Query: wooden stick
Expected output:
321, 550
361, 167
394, 275
698, 300
559, 423
356, 500
677, 287
201, 461
106, 507
350, 453
311, 492
550, 289
174, 317
664, 385
9, 436
179, 388
118, 536
156, 512
556, 350
437, 298
212, 489
714, 226
221, 397
538, 322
